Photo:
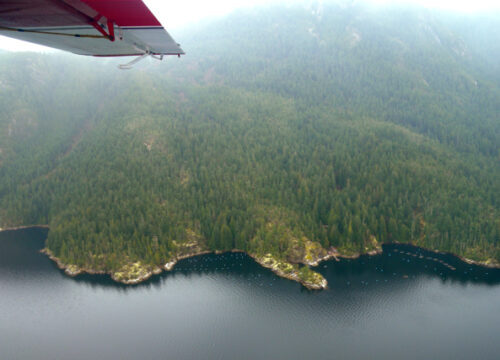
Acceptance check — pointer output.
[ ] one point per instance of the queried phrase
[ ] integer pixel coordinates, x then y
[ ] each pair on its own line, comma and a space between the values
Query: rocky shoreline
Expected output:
339, 256
70, 270
287, 271
136, 272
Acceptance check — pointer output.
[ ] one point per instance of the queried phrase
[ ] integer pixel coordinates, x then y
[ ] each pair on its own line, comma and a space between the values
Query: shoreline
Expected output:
272, 264
26, 227
148, 271
143, 272
374, 252
483, 264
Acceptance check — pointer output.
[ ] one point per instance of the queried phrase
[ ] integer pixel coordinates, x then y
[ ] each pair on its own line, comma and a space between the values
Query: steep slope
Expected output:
403, 65
291, 133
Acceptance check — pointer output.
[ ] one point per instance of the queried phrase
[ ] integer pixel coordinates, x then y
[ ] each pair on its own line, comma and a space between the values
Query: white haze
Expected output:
176, 14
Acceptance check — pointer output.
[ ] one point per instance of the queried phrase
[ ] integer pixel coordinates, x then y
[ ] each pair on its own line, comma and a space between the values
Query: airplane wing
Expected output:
88, 27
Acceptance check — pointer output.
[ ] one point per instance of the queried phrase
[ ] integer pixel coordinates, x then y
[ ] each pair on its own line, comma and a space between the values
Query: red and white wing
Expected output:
88, 27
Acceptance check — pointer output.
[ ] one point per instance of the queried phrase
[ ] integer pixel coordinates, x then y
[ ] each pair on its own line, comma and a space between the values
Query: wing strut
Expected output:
98, 27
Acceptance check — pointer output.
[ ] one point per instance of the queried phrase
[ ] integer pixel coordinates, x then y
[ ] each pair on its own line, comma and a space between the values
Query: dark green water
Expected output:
392, 306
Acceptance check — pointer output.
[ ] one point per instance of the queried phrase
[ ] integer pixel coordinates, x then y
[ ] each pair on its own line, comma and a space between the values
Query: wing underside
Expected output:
88, 27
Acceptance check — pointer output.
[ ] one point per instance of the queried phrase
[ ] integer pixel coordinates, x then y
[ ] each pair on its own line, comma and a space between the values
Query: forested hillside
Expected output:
285, 131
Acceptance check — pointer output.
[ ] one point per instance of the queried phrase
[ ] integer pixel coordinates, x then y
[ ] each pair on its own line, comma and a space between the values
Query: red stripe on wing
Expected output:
124, 12
51, 13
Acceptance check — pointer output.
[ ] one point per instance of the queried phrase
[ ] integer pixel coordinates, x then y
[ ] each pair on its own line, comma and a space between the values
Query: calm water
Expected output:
392, 306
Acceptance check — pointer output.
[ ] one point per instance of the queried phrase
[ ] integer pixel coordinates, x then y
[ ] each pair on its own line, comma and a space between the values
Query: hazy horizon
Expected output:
177, 15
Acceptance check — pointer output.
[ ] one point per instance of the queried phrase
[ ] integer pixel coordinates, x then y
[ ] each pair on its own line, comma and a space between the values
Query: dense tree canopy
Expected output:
346, 126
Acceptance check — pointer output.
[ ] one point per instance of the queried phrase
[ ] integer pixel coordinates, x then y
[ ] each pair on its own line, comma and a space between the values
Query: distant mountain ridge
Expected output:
358, 56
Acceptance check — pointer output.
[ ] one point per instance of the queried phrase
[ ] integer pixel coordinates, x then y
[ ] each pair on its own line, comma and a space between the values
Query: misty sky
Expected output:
176, 14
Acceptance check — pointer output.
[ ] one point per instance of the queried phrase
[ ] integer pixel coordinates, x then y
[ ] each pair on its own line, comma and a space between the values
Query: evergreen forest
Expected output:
283, 129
